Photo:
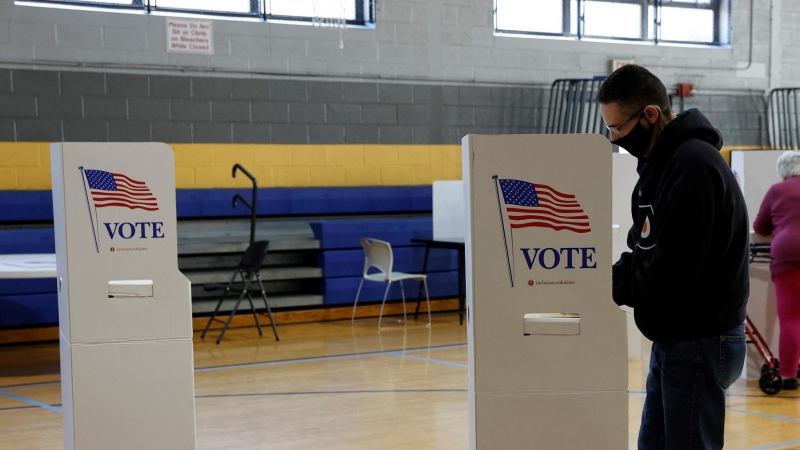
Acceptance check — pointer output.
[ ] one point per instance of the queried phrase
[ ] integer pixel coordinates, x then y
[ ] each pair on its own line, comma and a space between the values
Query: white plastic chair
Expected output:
378, 254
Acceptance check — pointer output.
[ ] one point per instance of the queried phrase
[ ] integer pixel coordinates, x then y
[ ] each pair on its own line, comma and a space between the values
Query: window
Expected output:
353, 12
228, 6
676, 21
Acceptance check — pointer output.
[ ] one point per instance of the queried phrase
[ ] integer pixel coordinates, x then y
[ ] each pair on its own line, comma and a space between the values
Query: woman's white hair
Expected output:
788, 164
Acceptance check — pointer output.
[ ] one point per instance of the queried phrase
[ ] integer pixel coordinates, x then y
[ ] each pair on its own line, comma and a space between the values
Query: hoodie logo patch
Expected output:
645, 213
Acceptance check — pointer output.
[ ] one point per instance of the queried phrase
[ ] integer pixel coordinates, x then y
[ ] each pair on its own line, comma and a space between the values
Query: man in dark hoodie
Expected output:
686, 276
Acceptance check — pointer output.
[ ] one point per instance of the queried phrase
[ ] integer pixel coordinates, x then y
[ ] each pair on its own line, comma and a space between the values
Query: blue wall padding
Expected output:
306, 201
335, 234
28, 286
350, 263
26, 310
26, 206
29, 240
342, 291
342, 259
31, 206
28, 302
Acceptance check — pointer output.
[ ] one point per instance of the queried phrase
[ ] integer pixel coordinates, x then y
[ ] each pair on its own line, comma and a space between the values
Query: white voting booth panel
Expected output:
547, 344
755, 171
449, 223
124, 307
448, 210
623, 182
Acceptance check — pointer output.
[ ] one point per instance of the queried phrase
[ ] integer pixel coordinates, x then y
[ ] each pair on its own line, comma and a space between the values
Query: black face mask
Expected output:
637, 142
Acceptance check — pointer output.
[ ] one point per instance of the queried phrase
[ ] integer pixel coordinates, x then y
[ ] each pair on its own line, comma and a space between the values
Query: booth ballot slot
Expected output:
130, 288
551, 323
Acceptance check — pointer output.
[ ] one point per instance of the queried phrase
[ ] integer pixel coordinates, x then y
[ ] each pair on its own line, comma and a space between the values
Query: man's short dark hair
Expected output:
633, 87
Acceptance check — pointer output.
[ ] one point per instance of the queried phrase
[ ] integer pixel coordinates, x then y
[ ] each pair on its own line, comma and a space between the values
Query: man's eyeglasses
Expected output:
615, 128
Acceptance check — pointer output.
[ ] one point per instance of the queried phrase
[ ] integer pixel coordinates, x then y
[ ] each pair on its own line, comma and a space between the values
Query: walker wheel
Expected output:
765, 368
770, 382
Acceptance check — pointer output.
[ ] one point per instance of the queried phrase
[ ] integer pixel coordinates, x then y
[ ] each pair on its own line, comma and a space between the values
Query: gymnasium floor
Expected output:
334, 386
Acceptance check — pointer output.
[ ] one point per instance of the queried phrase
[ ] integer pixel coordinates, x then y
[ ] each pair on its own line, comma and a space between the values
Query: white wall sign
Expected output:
190, 36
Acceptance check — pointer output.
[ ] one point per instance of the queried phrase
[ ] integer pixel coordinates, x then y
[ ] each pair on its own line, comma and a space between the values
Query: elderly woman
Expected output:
779, 216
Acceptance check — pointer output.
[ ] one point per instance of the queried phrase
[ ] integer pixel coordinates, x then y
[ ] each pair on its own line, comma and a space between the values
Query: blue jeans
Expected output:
685, 404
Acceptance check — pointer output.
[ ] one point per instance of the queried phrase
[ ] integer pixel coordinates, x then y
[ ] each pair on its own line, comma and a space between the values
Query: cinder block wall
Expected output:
25, 166
94, 106
428, 72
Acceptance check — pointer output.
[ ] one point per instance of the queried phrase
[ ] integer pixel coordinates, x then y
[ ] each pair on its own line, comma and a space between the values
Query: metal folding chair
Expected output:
249, 272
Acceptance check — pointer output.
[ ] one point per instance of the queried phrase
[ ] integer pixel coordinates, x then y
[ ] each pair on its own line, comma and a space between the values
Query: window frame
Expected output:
717, 6
364, 10
152, 6
721, 33
581, 20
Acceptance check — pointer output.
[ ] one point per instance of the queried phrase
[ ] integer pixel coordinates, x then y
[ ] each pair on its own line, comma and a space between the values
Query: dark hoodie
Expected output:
687, 277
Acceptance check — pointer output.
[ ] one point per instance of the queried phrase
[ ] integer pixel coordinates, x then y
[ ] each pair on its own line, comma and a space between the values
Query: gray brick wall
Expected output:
413, 77
739, 118
43, 106
443, 40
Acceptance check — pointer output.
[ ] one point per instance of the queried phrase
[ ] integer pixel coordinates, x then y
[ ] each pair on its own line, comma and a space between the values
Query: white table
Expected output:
28, 266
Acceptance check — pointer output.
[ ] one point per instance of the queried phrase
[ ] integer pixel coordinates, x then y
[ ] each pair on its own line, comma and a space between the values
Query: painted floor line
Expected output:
12, 408
768, 416
315, 358
736, 410
437, 361
30, 401
375, 391
442, 347
32, 385
774, 446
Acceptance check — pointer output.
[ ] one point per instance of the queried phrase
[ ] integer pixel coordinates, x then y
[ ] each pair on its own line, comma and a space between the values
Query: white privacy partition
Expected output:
127, 377
755, 172
448, 210
547, 345
623, 181
28, 266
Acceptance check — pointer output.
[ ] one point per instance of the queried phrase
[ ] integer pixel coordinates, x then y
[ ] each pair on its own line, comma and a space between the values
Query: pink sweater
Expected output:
779, 216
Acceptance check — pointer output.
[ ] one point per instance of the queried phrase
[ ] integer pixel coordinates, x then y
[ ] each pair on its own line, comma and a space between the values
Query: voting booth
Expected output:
448, 209
127, 373
623, 181
547, 345
755, 172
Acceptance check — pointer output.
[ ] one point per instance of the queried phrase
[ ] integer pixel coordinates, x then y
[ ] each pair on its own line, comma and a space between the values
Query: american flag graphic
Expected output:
539, 205
115, 189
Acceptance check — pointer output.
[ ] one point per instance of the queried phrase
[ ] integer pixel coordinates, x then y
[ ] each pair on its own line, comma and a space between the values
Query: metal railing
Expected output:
783, 118
573, 107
